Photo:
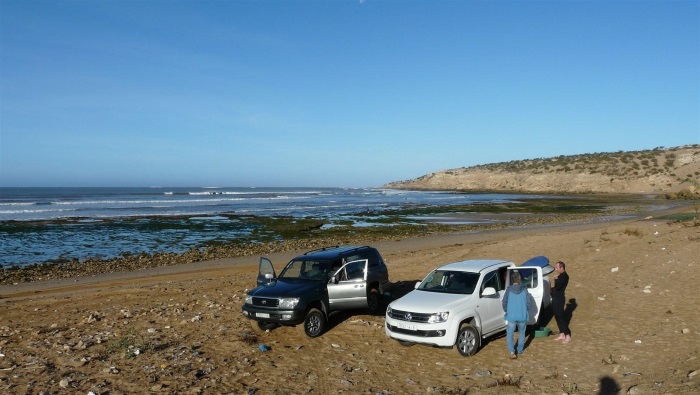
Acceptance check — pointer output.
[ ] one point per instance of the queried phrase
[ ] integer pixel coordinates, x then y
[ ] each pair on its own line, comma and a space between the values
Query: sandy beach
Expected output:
179, 329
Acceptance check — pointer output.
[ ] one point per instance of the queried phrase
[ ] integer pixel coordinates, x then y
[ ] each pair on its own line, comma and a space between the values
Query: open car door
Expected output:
348, 287
532, 279
547, 269
266, 272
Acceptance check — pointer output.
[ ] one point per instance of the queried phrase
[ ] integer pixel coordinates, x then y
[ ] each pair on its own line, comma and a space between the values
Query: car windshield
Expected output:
305, 270
447, 281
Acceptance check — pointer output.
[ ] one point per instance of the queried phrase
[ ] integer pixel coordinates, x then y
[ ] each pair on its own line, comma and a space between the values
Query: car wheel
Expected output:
314, 323
267, 326
373, 300
468, 340
405, 343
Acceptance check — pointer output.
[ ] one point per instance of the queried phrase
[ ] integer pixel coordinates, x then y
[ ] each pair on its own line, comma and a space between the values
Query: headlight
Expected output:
439, 317
388, 311
248, 299
288, 303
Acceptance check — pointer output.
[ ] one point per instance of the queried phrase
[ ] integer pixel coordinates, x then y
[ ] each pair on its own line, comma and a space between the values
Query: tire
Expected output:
468, 340
267, 326
406, 343
314, 323
373, 301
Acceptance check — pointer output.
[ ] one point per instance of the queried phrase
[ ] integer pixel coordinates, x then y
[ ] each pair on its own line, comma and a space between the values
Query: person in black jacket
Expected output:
559, 300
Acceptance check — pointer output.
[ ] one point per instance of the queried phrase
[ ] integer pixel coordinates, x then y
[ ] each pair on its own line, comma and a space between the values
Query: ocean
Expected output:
39, 225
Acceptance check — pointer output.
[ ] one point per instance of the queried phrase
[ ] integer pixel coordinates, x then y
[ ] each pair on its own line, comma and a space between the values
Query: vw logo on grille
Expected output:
264, 301
407, 316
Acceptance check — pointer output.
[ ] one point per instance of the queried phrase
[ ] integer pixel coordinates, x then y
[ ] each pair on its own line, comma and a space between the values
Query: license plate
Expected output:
262, 315
409, 327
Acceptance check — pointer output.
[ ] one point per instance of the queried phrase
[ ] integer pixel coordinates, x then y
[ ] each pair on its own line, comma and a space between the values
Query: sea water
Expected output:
46, 224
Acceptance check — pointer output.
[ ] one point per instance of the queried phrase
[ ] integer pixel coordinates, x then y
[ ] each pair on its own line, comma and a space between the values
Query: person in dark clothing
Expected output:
516, 304
559, 300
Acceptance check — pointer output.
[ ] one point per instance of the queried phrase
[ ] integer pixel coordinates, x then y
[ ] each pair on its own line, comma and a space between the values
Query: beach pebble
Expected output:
64, 383
601, 298
92, 318
482, 373
637, 341
685, 331
615, 269
633, 390
693, 374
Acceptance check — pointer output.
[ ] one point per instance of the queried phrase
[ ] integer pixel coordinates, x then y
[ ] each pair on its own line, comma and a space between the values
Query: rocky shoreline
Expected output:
317, 239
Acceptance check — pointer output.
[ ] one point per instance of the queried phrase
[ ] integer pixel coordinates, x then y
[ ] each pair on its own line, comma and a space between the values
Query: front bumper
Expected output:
432, 334
284, 317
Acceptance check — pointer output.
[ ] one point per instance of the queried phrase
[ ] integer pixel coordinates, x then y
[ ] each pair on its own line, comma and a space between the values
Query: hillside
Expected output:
674, 172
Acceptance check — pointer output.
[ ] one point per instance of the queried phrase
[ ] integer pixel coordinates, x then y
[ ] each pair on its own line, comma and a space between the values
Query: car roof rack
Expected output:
345, 249
320, 249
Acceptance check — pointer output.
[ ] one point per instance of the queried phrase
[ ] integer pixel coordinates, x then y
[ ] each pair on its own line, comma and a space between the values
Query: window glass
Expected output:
305, 269
492, 280
354, 271
450, 282
373, 258
351, 258
529, 277
293, 269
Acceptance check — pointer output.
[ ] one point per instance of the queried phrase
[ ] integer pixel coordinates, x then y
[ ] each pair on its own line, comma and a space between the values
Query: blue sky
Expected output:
334, 93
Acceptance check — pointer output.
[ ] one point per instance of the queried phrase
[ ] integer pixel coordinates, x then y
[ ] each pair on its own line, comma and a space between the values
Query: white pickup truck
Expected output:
460, 303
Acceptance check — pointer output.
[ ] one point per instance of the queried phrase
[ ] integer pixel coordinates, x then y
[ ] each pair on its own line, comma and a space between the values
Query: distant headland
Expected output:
674, 172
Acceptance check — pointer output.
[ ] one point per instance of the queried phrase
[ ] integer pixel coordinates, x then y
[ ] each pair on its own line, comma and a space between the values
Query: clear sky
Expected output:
334, 93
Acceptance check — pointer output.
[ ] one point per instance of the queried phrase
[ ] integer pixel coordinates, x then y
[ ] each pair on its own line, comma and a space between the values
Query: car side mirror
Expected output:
489, 291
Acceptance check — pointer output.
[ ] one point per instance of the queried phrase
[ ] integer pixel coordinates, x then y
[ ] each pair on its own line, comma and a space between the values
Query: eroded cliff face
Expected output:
655, 171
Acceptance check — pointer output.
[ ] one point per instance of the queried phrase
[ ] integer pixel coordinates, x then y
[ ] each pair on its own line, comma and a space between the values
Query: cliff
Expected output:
671, 171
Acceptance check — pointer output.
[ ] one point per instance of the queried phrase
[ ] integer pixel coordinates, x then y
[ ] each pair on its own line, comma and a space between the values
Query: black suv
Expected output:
314, 284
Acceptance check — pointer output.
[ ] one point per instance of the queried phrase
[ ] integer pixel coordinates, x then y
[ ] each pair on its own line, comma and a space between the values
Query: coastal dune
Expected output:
179, 329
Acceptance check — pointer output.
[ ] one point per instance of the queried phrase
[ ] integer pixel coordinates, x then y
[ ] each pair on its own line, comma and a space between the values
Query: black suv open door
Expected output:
265, 268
